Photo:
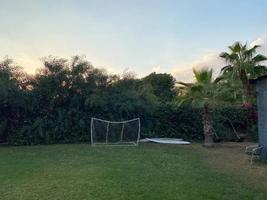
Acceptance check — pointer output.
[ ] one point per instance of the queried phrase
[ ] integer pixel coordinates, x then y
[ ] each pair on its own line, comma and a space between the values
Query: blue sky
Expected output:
138, 35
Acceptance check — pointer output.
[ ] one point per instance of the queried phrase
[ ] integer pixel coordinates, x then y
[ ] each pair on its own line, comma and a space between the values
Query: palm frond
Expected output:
203, 75
183, 83
259, 58
248, 53
204, 91
236, 47
226, 68
224, 55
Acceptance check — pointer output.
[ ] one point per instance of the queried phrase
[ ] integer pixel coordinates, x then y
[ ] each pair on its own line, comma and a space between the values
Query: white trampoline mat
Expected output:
168, 140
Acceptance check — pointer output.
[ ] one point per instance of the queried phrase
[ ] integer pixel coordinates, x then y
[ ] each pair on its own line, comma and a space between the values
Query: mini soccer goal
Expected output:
120, 133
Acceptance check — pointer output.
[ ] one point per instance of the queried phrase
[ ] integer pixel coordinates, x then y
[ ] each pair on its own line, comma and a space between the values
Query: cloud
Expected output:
185, 75
209, 60
262, 41
156, 69
29, 64
212, 60
258, 41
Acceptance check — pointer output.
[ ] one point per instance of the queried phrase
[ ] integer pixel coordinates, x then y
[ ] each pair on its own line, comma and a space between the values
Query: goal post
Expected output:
117, 133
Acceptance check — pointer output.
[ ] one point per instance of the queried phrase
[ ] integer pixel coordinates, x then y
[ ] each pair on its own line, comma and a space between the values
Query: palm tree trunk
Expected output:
207, 127
246, 89
247, 96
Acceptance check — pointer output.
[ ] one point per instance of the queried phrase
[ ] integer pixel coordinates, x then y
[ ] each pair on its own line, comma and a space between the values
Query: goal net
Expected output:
104, 132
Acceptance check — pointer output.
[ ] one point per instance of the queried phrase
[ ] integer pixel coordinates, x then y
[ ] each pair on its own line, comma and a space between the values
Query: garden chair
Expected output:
253, 151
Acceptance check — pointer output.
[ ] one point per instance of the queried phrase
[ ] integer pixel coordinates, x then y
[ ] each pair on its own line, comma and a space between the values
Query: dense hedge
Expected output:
186, 122
55, 105
66, 126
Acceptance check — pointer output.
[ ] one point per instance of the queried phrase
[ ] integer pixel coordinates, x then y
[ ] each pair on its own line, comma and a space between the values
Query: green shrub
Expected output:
55, 106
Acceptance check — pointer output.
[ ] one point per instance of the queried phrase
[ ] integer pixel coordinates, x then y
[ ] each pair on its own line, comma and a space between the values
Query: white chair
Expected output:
253, 151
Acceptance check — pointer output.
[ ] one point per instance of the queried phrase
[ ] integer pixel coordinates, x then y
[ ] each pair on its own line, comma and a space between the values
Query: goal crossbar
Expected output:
115, 122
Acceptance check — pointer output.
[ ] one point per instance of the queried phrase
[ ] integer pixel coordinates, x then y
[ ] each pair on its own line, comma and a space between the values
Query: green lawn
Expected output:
146, 172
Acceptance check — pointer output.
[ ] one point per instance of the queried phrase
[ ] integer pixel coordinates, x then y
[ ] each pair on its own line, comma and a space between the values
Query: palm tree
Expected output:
204, 93
243, 64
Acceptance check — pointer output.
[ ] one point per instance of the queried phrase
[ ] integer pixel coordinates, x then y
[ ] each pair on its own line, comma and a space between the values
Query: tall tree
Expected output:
12, 97
243, 64
204, 93
162, 84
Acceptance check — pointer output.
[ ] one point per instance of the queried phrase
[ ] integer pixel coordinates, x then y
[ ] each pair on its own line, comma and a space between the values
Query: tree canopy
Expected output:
55, 105
243, 64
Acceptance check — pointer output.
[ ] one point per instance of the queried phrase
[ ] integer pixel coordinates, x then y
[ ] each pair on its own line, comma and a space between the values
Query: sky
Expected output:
143, 36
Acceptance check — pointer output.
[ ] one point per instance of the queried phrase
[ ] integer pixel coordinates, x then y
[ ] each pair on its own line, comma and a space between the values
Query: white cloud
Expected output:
29, 64
185, 75
181, 72
258, 41
156, 69
212, 60
209, 60
262, 41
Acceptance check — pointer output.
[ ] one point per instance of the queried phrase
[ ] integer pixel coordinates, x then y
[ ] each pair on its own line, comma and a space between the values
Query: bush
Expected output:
55, 105
186, 122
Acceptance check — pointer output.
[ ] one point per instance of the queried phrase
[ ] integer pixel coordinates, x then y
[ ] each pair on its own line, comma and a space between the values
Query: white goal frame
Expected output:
121, 135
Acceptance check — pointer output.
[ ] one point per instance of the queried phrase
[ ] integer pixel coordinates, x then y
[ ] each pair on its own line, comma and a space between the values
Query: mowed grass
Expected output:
149, 171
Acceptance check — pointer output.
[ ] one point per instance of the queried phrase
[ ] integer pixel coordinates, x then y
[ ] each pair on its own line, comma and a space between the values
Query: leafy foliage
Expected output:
243, 64
55, 105
205, 94
204, 91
